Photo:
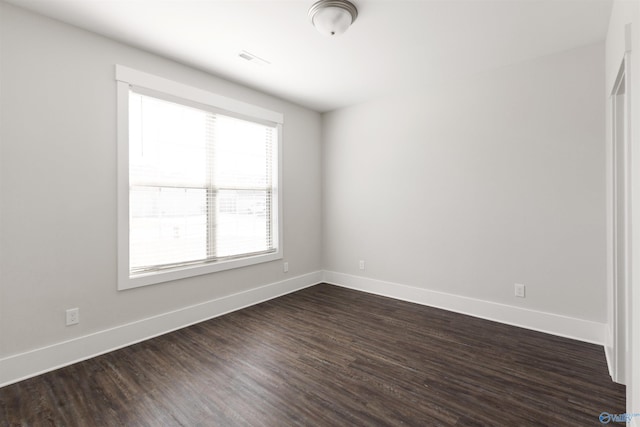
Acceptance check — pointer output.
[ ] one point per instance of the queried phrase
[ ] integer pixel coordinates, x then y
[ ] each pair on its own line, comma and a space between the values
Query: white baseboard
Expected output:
608, 355
31, 363
564, 326
608, 350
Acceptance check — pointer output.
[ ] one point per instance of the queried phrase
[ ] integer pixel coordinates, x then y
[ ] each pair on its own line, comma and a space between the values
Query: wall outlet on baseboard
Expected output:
361, 264
73, 316
519, 290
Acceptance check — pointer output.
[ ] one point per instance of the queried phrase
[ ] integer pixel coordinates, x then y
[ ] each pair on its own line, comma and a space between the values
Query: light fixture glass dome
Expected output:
332, 17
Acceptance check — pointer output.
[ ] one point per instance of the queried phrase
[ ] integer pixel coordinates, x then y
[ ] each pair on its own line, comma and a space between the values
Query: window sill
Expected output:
125, 281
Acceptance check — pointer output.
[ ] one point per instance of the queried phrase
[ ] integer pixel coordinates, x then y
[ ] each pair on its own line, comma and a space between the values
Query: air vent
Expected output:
253, 58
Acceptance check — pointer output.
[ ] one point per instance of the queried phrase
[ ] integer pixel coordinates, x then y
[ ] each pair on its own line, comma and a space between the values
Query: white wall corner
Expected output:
35, 362
564, 326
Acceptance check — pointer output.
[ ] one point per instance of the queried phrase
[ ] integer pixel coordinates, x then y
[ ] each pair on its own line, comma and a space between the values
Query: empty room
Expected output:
319, 213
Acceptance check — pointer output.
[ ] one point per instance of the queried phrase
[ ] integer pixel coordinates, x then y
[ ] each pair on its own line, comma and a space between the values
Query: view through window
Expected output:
200, 185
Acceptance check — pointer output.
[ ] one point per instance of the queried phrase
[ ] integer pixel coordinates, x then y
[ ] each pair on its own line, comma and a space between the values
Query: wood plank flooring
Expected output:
328, 356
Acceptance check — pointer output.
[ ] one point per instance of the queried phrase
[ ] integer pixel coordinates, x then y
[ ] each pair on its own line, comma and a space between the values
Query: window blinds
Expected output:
200, 185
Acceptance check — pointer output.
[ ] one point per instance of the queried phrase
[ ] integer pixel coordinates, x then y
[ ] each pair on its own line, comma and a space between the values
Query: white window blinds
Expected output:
201, 185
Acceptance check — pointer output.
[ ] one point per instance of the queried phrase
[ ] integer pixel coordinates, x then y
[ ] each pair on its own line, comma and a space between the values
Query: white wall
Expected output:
623, 13
470, 188
58, 187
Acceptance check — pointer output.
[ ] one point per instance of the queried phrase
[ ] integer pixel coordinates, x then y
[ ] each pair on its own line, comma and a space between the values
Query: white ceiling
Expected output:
393, 45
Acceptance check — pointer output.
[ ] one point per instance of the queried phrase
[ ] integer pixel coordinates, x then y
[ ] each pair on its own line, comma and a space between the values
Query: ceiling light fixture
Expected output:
332, 17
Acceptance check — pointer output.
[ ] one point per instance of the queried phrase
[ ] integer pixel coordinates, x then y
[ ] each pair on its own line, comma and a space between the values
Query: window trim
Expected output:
127, 78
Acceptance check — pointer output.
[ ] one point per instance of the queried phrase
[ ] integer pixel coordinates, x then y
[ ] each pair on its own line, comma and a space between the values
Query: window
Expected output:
198, 181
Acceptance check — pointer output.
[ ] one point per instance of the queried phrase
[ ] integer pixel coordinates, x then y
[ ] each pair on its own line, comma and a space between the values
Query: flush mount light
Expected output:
332, 17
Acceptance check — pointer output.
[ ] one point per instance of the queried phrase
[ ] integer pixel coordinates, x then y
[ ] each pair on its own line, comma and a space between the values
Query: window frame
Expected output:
126, 78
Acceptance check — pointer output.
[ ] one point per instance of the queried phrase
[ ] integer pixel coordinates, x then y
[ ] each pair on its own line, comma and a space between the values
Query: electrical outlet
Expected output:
73, 316
519, 290
361, 264
285, 267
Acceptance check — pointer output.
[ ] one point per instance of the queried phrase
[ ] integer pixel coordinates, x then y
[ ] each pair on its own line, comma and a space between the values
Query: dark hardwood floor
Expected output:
328, 356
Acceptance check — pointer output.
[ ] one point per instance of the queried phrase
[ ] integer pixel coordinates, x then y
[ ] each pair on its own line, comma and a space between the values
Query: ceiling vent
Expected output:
253, 58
